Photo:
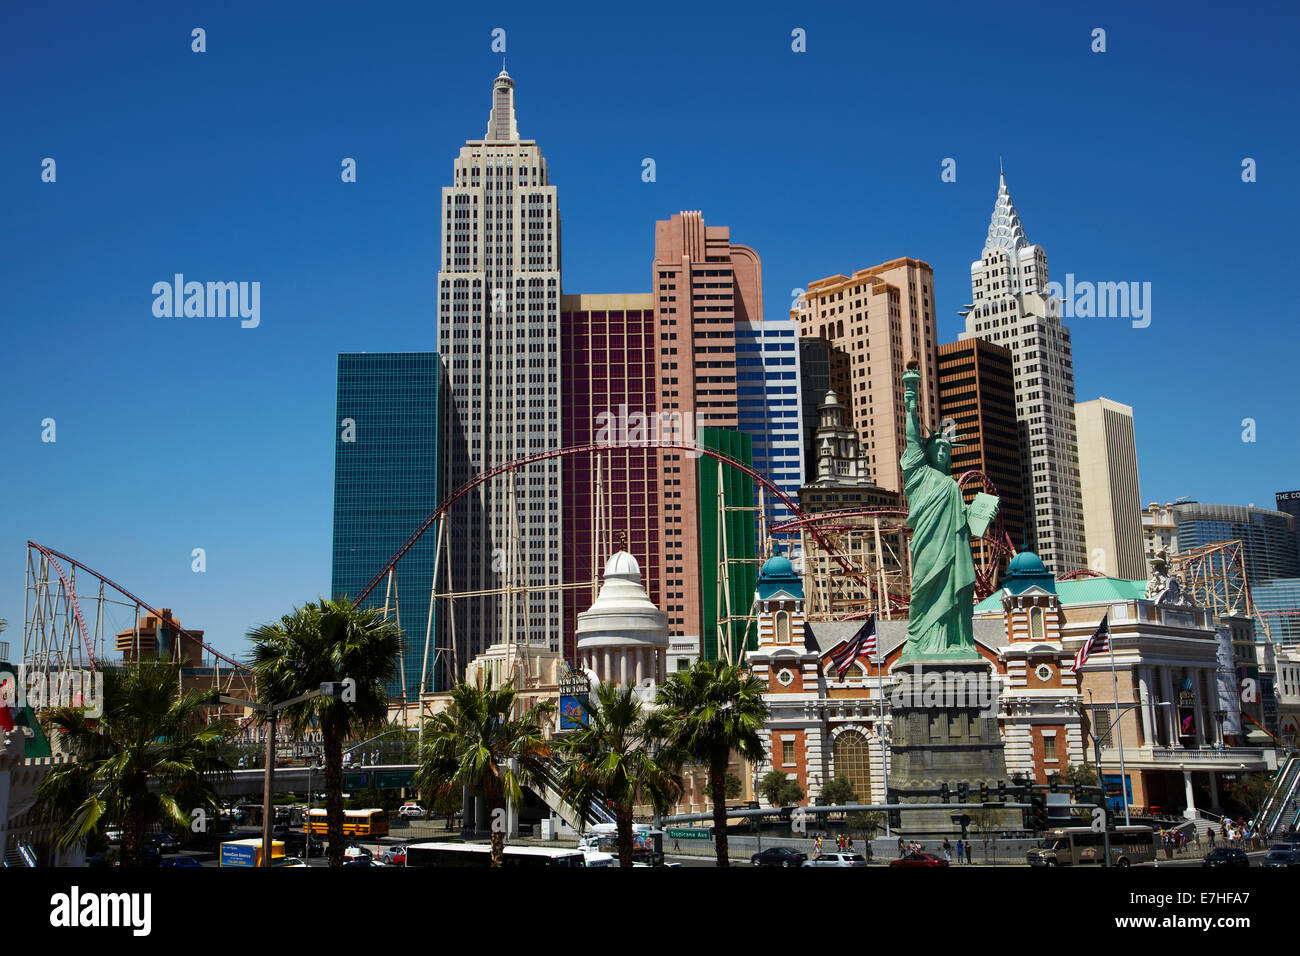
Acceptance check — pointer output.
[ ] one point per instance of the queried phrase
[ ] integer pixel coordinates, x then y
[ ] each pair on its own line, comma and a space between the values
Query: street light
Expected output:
331, 689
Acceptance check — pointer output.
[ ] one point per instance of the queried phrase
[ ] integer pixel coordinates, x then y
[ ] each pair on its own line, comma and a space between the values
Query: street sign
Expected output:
394, 779
356, 781
687, 833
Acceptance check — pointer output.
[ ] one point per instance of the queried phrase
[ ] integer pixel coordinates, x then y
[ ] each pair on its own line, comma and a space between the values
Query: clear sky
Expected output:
174, 434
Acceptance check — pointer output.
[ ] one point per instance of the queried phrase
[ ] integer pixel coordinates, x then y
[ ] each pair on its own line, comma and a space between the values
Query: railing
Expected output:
1205, 753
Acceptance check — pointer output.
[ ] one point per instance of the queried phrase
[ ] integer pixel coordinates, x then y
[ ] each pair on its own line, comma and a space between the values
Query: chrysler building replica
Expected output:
1011, 307
499, 339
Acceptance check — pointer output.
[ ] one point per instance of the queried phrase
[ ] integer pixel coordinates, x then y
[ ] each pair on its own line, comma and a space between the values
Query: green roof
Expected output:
1080, 591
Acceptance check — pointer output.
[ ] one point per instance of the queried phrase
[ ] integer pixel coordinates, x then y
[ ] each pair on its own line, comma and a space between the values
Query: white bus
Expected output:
1081, 846
480, 855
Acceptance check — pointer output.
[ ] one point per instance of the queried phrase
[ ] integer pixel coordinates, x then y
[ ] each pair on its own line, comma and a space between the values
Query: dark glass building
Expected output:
386, 482
1269, 536
742, 544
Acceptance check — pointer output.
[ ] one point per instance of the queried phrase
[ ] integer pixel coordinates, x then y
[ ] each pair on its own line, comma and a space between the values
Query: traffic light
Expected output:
1078, 793
943, 793
1053, 782
984, 793
1039, 811
1002, 791
963, 791
896, 819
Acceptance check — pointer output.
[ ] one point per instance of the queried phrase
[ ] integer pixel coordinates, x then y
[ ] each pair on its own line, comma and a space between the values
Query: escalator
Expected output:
1279, 809
20, 855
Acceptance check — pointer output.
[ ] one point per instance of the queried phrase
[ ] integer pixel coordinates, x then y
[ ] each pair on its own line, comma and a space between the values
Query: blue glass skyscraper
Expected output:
386, 482
768, 404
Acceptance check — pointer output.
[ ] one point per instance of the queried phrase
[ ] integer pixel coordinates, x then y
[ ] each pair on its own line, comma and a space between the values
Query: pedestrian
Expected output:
1209, 833
849, 846
960, 845
968, 853
901, 852
947, 850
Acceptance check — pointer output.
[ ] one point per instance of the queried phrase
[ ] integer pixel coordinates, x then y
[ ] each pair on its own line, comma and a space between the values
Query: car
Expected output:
100, 861
393, 855
165, 842
779, 856
287, 861
1281, 858
838, 859
411, 811
181, 862
1226, 856
1292, 845
295, 842
113, 835
150, 855
354, 851
918, 859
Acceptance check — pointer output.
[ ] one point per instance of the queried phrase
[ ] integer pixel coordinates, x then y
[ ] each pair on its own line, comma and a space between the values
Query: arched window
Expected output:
782, 627
1036, 623
853, 763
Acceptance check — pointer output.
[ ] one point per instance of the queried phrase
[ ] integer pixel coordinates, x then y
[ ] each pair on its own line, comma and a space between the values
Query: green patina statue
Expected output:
943, 573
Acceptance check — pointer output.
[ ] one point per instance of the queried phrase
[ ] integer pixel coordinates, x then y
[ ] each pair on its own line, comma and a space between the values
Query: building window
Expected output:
1036, 623
787, 753
1049, 747
852, 762
782, 627
1101, 725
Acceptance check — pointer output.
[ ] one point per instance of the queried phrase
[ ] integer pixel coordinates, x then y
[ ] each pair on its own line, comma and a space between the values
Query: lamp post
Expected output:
1221, 716
331, 689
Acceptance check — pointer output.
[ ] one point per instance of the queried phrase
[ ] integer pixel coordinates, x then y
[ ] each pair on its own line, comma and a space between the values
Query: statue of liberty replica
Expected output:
944, 707
943, 572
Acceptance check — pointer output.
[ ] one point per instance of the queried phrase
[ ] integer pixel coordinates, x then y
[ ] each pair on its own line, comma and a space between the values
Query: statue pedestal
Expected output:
945, 730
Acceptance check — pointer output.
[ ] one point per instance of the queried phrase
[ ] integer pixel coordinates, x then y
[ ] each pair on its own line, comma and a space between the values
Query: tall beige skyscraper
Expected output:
499, 337
1108, 481
880, 317
1011, 306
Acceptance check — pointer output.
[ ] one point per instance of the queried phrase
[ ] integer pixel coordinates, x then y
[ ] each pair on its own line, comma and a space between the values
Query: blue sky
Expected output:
174, 434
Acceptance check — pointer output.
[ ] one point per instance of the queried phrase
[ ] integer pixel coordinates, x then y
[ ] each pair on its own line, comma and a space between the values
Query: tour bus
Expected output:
356, 823
1080, 846
480, 855
647, 843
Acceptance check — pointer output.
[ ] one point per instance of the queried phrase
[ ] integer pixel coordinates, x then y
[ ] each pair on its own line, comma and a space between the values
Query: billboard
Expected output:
573, 712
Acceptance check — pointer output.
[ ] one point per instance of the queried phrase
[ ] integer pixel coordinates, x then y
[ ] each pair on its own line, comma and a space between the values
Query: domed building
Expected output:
623, 637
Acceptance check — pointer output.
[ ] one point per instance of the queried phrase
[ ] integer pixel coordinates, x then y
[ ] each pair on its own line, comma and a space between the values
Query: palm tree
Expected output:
710, 711
613, 757
148, 731
330, 641
478, 743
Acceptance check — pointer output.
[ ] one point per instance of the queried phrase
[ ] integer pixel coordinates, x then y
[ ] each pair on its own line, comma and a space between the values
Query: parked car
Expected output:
181, 862
779, 856
1281, 858
150, 855
838, 859
393, 855
1292, 845
354, 851
287, 861
295, 842
1226, 856
918, 859
411, 811
165, 842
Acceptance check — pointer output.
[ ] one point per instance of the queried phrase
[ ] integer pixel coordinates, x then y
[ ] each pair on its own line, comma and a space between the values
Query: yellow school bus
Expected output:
356, 823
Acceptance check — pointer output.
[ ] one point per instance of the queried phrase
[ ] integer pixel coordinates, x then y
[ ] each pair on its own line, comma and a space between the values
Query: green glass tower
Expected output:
386, 482
742, 546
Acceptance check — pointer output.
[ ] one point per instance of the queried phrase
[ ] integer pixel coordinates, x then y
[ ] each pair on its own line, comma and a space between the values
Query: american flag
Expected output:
1100, 641
863, 644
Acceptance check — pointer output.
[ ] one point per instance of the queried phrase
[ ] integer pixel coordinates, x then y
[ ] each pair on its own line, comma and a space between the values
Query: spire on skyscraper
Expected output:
1005, 230
501, 121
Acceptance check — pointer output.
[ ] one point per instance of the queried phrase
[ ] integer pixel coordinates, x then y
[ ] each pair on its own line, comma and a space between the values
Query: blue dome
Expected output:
1026, 562
1027, 570
777, 566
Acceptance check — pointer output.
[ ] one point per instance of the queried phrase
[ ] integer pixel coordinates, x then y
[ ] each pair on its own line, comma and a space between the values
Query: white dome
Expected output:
621, 564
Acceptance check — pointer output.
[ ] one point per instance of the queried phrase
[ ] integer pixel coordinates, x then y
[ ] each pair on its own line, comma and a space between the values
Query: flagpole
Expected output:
880, 729
1119, 722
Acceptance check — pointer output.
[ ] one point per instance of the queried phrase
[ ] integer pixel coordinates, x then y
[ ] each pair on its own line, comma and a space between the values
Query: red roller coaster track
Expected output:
50, 554
593, 448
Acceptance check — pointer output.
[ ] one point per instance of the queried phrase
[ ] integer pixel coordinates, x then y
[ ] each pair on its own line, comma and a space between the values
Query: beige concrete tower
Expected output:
1011, 307
880, 317
1108, 481
499, 338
